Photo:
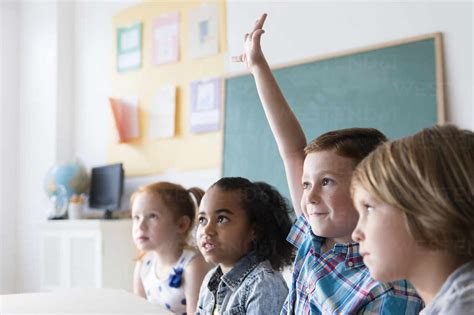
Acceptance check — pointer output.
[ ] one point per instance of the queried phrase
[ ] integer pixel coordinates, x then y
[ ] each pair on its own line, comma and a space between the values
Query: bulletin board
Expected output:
397, 87
186, 150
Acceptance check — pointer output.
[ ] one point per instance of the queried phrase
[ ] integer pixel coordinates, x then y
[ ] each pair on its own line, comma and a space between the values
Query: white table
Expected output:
78, 301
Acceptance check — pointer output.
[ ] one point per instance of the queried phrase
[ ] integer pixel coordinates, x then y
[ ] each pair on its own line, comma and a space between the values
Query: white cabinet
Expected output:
86, 254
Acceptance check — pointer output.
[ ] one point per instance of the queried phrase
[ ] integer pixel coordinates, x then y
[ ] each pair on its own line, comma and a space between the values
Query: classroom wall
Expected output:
9, 92
37, 129
60, 122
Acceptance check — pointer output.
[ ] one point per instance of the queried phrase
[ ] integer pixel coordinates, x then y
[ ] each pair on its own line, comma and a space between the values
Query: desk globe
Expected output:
63, 180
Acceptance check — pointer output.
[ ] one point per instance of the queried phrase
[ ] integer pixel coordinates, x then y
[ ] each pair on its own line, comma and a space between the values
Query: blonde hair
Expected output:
430, 177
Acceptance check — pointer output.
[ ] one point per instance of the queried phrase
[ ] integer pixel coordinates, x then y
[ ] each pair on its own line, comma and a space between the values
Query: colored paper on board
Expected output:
205, 105
125, 113
129, 47
166, 39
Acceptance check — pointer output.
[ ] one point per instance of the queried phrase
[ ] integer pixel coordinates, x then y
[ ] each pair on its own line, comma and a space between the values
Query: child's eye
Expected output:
369, 208
222, 219
202, 221
306, 185
135, 217
326, 181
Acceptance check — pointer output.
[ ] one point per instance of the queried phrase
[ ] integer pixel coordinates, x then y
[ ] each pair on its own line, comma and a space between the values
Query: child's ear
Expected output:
184, 223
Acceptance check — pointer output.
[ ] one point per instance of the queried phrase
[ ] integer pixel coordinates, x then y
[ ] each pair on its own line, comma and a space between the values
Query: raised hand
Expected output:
253, 55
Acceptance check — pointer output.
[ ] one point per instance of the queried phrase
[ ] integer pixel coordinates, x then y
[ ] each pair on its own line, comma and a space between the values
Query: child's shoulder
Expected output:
146, 259
190, 256
266, 282
396, 289
264, 272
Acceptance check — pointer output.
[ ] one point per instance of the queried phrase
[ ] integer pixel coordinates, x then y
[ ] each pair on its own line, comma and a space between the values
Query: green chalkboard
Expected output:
393, 87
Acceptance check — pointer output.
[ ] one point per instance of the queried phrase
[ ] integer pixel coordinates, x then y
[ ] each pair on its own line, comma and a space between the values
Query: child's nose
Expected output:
142, 225
357, 234
314, 196
209, 229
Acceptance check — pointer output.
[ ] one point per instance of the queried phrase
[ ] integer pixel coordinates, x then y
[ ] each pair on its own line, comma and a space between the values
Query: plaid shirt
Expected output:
338, 282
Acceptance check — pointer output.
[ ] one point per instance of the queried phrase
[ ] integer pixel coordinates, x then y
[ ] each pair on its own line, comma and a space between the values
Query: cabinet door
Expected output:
85, 260
51, 264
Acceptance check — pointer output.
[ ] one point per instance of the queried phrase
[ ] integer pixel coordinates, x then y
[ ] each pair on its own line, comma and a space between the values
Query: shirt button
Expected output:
308, 290
350, 263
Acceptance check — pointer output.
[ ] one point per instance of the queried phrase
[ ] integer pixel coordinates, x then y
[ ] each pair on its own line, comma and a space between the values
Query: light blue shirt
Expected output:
456, 296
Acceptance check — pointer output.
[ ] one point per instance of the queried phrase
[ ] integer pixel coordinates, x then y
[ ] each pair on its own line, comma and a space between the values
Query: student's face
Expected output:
326, 200
224, 234
388, 248
153, 223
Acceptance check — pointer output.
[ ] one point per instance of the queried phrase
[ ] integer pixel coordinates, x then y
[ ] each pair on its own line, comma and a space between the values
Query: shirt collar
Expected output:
350, 251
236, 275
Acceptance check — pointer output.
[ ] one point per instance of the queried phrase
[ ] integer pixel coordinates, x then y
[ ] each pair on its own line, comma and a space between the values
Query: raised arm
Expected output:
285, 127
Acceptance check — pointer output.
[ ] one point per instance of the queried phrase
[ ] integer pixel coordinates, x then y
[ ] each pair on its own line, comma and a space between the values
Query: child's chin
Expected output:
380, 276
319, 230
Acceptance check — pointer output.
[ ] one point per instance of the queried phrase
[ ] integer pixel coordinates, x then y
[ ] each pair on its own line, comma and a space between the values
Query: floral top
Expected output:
167, 292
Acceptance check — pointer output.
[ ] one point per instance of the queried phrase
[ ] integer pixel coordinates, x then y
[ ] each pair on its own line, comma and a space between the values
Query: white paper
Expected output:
205, 105
166, 41
129, 40
206, 96
129, 55
162, 113
204, 31
130, 60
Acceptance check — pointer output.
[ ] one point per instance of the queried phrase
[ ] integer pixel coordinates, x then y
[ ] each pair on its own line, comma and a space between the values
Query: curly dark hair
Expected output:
268, 211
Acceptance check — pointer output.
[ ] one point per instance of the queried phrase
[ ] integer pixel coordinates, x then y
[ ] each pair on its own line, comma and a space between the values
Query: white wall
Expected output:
65, 46
37, 138
9, 92
301, 29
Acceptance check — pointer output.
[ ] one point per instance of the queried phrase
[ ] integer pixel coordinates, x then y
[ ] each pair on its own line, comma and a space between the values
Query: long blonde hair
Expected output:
430, 177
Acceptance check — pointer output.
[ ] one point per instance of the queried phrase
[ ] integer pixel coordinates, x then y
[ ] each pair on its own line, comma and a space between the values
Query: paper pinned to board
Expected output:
129, 47
205, 105
125, 113
204, 31
163, 113
166, 38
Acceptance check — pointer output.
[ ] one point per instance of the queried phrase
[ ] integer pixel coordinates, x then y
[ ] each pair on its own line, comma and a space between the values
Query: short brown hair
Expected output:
354, 143
430, 177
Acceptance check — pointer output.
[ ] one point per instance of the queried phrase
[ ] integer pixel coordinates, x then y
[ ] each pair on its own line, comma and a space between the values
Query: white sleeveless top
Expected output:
167, 292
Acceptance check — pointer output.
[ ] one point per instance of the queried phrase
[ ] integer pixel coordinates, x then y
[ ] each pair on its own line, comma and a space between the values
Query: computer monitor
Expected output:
106, 188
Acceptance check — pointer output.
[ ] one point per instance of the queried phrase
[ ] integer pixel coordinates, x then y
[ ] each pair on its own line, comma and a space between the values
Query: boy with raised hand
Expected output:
329, 275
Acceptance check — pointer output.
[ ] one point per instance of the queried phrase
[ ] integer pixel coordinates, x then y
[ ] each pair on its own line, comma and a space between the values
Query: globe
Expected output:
63, 180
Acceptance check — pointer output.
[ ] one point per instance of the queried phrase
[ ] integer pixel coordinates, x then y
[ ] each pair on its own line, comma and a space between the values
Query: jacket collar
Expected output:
234, 278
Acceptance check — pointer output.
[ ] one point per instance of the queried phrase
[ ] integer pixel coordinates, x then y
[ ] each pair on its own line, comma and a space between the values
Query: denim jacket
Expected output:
250, 287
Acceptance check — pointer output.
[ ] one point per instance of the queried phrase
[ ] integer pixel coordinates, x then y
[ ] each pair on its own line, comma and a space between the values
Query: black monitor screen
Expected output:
106, 187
